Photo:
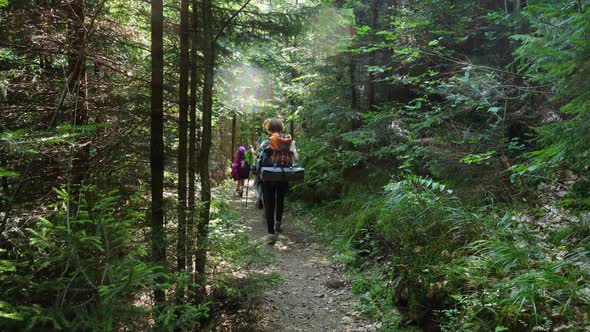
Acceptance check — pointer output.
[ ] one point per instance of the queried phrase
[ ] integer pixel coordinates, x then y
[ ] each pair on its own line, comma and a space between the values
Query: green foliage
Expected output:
376, 297
7, 173
229, 239
82, 268
520, 284
71, 251
322, 179
182, 317
490, 99
557, 52
476, 269
477, 158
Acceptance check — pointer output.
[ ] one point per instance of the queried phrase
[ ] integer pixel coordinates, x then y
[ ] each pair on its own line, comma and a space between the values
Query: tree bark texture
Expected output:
192, 140
77, 82
203, 224
76, 74
353, 94
233, 137
157, 141
182, 141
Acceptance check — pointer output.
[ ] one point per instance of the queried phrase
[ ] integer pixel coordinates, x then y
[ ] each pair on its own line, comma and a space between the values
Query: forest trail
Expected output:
315, 295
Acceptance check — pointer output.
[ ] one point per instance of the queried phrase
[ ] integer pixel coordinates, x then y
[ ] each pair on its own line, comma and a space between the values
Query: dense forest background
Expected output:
446, 147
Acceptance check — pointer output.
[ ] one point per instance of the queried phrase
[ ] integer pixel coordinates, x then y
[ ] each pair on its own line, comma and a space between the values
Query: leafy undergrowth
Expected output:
448, 266
79, 268
83, 268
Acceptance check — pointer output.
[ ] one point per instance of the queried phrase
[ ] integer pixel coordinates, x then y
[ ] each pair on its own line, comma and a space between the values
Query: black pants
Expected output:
273, 194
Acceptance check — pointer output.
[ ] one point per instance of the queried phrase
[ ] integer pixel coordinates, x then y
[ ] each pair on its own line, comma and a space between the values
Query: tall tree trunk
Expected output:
182, 142
370, 90
202, 226
233, 137
77, 81
5, 190
371, 86
353, 95
157, 142
192, 140
254, 129
77, 58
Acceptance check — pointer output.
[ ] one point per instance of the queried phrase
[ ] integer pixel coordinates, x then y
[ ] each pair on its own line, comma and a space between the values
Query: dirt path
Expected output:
315, 295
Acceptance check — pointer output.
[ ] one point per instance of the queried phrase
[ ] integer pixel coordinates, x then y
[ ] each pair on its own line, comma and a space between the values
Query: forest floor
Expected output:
315, 294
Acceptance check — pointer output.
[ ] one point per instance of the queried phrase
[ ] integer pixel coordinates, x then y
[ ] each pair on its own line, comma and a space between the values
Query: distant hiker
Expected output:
277, 150
240, 170
250, 156
264, 134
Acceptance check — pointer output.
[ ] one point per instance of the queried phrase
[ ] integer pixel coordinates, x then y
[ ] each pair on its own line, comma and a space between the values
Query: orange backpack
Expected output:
280, 144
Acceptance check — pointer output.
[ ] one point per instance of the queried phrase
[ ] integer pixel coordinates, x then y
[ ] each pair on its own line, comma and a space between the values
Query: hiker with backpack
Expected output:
277, 151
264, 134
240, 170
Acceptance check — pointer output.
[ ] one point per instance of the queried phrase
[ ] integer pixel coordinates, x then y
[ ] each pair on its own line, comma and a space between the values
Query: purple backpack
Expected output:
240, 169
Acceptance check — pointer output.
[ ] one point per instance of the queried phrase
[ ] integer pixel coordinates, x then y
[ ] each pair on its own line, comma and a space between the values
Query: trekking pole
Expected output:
247, 187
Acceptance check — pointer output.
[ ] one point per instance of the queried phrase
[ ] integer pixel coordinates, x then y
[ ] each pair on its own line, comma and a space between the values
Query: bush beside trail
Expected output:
443, 263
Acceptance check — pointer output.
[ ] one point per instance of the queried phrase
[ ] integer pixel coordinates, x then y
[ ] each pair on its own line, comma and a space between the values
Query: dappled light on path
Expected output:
315, 294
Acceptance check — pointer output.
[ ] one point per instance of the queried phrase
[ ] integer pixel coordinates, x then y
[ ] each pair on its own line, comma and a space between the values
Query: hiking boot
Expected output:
272, 239
278, 226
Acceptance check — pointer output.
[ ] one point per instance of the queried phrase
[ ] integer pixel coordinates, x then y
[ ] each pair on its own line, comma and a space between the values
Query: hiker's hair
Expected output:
275, 125
241, 152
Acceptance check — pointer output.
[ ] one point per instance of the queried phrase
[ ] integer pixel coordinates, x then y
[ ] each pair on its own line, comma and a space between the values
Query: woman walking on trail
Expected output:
240, 170
277, 150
